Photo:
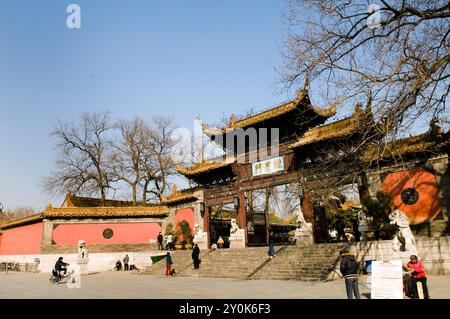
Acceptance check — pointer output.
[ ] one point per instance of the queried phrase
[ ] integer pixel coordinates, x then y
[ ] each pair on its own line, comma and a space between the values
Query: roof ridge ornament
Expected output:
233, 120
435, 129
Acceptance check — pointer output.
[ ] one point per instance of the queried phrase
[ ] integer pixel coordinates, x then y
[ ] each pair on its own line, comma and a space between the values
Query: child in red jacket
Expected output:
417, 271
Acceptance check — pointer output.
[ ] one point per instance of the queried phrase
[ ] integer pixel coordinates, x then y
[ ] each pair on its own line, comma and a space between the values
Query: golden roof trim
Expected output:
201, 167
23, 220
76, 212
413, 144
332, 130
179, 196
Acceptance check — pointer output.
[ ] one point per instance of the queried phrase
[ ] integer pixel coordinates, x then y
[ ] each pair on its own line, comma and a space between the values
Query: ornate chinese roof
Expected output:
23, 221
98, 212
180, 196
432, 141
77, 201
301, 102
202, 167
336, 129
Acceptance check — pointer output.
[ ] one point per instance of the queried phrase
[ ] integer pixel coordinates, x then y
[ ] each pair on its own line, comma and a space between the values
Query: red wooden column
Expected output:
242, 214
206, 224
307, 207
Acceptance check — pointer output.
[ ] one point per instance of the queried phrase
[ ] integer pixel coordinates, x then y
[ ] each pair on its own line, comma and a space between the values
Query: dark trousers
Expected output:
126, 267
271, 249
62, 271
415, 292
341, 234
196, 263
351, 285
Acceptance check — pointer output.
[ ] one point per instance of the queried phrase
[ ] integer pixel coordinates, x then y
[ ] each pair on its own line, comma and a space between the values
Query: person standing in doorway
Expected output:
349, 269
169, 264
340, 228
196, 256
160, 241
271, 246
417, 271
126, 260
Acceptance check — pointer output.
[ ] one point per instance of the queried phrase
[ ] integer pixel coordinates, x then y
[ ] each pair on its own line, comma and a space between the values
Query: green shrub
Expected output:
184, 231
379, 208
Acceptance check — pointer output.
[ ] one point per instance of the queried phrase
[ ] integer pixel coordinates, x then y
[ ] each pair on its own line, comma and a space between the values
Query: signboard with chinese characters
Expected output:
387, 280
269, 166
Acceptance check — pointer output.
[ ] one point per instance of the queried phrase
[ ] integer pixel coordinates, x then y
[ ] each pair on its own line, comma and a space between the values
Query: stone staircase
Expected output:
307, 263
230, 263
182, 260
72, 249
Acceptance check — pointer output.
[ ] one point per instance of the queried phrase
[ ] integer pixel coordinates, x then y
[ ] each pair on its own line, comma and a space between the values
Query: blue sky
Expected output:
179, 58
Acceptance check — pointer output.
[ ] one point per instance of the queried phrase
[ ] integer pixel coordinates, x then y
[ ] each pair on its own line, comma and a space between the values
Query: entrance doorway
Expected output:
272, 210
220, 223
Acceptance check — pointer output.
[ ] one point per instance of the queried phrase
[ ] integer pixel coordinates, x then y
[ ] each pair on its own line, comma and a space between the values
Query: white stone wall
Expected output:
434, 252
98, 262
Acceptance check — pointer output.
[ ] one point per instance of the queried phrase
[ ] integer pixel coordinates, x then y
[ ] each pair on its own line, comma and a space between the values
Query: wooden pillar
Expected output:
242, 214
307, 206
206, 224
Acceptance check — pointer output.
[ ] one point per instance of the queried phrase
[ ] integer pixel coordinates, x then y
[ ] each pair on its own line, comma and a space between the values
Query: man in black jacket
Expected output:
160, 241
195, 256
349, 269
61, 266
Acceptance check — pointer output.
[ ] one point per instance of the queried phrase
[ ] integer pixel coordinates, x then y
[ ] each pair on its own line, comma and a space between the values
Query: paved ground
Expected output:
127, 285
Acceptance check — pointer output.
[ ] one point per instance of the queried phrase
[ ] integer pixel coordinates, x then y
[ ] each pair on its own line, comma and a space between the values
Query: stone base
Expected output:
202, 242
237, 240
83, 268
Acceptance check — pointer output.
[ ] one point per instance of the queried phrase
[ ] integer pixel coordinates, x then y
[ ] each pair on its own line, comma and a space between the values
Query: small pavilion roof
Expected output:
204, 167
178, 196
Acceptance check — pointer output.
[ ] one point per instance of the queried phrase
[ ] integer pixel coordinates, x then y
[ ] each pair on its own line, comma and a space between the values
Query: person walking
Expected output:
195, 256
160, 241
126, 259
271, 246
417, 271
349, 269
169, 264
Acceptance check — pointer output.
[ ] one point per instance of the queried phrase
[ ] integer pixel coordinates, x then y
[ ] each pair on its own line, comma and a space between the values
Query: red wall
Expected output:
22, 240
427, 206
186, 214
123, 233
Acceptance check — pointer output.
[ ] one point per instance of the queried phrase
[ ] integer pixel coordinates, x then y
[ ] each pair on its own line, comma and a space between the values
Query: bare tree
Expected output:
157, 163
397, 51
83, 162
128, 160
20, 212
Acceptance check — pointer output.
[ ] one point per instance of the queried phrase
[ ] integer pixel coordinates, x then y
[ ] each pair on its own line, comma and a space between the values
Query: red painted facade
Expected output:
123, 233
186, 214
424, 182
22, 240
